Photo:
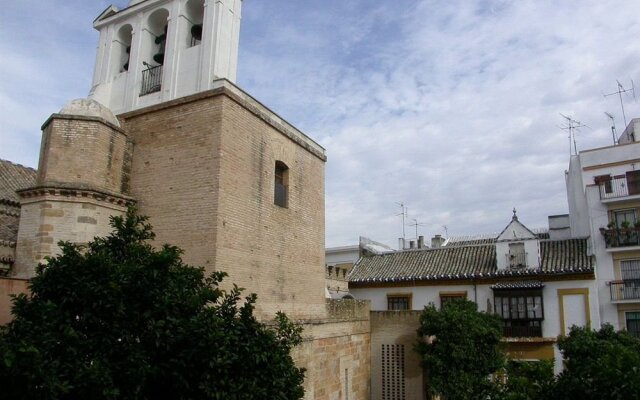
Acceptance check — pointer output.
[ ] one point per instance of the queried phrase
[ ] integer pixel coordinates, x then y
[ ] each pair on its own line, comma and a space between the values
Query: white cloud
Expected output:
450, 107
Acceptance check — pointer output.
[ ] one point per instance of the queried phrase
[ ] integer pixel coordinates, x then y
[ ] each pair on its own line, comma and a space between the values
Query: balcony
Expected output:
619, 187
522, 328
517, 259
621, 237
625, 290
151, 80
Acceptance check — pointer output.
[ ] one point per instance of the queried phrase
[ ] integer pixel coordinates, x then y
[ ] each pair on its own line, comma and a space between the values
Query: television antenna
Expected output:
416, 224
621, 89
403, 213
573, 126
613, 126
446, 231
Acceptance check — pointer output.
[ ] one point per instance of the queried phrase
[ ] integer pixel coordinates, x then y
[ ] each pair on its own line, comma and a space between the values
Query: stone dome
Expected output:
89, 108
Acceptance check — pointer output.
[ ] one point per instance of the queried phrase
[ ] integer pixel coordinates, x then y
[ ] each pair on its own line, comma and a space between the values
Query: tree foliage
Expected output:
460, 349
526, 380
602, 364
122, 320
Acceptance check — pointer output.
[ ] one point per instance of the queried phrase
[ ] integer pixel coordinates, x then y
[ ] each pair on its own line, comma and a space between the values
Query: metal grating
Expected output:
393, 385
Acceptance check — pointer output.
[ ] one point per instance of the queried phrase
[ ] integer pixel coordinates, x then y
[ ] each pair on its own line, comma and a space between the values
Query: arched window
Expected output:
281, 185
194, 13
122, 49
153, 58
157, 27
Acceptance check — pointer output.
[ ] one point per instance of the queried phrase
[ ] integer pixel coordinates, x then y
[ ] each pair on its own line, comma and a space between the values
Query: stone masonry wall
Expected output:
48, 219
83, 153
203, 170
392, 373
336, 353
9, 287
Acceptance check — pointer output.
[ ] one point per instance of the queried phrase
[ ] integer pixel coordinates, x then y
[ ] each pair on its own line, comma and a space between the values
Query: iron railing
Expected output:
517, 260
522, 329
619, 186
621, 237
151, 80
628, 289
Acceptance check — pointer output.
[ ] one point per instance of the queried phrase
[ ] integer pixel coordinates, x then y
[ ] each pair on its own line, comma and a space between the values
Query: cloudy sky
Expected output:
450, 107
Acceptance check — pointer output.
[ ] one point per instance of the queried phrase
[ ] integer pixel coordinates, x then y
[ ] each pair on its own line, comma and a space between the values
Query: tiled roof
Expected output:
14, 177
541, 233
469, 261
518, 285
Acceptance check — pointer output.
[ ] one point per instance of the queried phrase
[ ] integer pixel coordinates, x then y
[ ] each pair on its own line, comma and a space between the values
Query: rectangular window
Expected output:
630, 271
281, 183
522, 312
624, 218
604, 181
397, 302
446, 297
633, 323
517, 255
633, 182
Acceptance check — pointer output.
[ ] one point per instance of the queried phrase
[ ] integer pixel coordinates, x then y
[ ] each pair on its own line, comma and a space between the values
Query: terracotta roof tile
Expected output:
14, 177
469, 261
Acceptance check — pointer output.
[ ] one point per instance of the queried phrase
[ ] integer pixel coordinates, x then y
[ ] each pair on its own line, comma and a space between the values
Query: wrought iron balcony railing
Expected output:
619, 185
514, 329
628, 289
151, 80
517, 260
621, 237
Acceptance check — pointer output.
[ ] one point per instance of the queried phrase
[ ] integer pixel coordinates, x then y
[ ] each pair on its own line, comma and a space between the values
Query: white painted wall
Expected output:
186, 70
588, 213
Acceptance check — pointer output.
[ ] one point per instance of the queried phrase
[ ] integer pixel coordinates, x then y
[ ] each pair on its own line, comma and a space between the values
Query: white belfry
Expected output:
159, 50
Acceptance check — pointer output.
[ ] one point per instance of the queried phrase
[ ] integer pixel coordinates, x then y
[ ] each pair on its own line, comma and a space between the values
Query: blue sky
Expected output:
451, 107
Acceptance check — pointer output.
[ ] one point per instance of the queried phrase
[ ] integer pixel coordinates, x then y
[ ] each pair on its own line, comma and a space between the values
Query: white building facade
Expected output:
603, 190
154, 51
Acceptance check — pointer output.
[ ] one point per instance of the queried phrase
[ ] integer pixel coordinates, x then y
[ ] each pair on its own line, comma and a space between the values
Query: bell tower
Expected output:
158, 50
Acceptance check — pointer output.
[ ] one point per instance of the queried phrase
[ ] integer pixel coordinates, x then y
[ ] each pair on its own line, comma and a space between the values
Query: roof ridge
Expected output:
18, 165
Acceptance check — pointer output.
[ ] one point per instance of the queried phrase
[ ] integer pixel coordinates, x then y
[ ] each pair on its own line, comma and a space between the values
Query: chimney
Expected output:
412, 244
420, 242
400, 243
437, 241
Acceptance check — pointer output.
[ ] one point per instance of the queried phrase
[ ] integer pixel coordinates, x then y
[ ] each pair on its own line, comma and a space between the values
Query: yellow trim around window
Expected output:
569, 292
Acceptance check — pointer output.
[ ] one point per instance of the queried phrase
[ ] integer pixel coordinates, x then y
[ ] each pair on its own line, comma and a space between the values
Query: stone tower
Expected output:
220, 175
83, 179
159, 50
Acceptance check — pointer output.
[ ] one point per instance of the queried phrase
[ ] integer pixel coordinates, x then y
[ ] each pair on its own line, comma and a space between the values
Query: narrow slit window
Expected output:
281, 185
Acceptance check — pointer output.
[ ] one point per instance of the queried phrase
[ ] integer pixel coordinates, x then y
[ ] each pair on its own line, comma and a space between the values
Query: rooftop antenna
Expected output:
621, 89
403, 212
416, 224
613, 126
573, 126
446, 231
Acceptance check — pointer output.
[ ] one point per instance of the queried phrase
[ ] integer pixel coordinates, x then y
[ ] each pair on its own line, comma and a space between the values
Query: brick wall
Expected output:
392, 332
9, 287
83, 152
203, 170
336, 353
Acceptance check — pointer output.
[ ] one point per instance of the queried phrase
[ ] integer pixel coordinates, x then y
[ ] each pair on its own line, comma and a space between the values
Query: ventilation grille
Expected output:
393, 387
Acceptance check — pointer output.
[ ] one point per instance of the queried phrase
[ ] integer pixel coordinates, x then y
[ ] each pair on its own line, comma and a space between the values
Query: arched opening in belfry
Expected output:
121, 49
194, 14
157, 27
156, 41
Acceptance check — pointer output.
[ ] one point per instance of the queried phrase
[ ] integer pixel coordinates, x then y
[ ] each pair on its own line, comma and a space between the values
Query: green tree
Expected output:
602, 364
526, 380
122, 320
460, 349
